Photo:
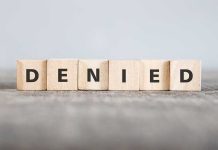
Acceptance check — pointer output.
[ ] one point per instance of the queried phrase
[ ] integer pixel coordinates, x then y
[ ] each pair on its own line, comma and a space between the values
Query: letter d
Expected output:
182, 75
36, 75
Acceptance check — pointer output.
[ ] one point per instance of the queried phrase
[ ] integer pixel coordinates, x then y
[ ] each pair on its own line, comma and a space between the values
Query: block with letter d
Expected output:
31, 74
185, 75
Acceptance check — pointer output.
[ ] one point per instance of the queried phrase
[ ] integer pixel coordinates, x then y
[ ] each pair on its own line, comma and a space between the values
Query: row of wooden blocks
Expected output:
72, 74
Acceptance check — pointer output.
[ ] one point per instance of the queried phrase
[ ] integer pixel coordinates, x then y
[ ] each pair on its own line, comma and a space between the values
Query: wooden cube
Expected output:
154, 75
93, 75
62, 74
123, 75
185, 75
31, 74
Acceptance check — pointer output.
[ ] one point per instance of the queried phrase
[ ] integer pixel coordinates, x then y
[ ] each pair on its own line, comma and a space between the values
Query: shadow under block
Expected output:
93, 75
62, 74
31, 74
123, 75
185, 75
154, 75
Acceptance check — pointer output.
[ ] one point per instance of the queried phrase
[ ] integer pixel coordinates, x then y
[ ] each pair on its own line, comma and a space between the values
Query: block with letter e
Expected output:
31, 74
62, 74
154, 75
185, 75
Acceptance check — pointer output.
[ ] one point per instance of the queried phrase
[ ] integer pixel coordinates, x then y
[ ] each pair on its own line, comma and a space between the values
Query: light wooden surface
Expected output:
194, 66
98, 120
40, 66
116, 82
102, 65
71, 74
162, 76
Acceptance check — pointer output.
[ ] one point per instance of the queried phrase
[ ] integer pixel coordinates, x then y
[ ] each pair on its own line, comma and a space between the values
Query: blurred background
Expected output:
113, 29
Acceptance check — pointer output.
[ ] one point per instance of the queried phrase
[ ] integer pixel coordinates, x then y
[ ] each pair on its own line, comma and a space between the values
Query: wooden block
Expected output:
93, 75
154, 75
31, 74
185, 75
123, 75
62, 74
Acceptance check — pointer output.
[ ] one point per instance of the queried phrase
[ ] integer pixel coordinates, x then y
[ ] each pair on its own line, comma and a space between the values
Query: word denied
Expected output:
73, 74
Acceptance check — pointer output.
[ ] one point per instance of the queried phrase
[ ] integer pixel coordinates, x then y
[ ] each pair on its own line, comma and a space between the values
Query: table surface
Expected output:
96, 120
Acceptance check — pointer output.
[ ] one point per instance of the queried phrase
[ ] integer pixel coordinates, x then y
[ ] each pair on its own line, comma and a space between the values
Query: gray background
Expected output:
114, 29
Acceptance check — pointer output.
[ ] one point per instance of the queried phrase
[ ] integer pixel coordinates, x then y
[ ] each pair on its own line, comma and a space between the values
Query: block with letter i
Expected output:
185, 75
154, 75
62, 74
123, 75
31, 74
93, 75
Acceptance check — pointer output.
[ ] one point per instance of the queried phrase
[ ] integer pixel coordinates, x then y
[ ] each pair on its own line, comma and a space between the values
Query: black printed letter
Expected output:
28, 71
182, 71
152, 75
91, 73
60, 75
123, 75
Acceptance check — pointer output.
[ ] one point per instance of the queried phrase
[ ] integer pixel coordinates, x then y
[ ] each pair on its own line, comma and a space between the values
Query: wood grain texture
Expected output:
40, 66
194, 66
115, 75
71, 74
96, 120
84, 84
163, 73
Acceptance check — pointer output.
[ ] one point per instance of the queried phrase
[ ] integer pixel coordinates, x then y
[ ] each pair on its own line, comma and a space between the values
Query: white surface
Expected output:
116, 29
